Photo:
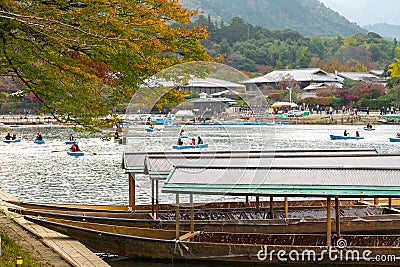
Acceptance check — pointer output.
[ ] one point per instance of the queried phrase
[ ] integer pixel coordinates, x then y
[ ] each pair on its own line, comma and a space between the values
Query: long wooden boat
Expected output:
294, 204
225, 246
366, 224
339, 137
394, 139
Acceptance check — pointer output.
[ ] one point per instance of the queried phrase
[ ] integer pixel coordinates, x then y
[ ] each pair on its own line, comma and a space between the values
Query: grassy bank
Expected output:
10, 251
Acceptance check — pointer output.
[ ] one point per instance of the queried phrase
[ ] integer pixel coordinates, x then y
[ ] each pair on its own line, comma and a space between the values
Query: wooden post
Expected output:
337, 211
390, 203
191, 214
271, 207
286, 208
247, 201
131, 182
257, 202
177, 218
157, 206
152, 197
328, 222
376, 201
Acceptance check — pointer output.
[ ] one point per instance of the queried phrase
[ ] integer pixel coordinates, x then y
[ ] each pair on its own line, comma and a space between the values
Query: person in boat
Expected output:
71, 137
75, 147
369, 125
39, 137
199, 140
398, 135
193, 142
180, 142
182, 133
14, 137
151, 126
116, 134
357, 134
8, 136
345, 133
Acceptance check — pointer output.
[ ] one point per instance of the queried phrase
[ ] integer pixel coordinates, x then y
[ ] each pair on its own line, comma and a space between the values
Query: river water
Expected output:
46, 173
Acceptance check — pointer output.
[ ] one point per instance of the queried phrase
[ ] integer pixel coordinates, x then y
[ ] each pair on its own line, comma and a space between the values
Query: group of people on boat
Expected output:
9, 137
369, 126
192, 142
39, 137
348, 134
75, 147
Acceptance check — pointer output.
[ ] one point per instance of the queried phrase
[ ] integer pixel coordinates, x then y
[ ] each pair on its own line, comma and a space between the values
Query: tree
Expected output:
394, 68
82, 59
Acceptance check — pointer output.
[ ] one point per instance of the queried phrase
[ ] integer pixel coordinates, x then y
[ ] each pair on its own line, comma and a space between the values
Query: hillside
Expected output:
309, 17
385, 30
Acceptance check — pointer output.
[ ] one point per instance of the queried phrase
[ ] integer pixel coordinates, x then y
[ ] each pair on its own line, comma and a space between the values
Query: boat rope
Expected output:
179, 244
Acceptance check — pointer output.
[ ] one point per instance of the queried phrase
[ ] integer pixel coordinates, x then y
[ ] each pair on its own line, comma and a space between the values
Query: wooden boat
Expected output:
371, 224
39, 142
12, 141
394, 139
71, 142
336, 137
221, 246
227, 206
189, 146
76, 154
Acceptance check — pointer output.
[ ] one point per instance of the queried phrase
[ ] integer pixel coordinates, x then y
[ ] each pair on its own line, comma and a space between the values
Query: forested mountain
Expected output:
309, 17
385, 30
255, 49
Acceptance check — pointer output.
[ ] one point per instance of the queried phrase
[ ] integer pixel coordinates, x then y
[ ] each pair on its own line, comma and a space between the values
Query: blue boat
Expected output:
150, 130
39, 142
394, 139
76, 154
342, 137
189, 146
183, 136
369, 129
12, 141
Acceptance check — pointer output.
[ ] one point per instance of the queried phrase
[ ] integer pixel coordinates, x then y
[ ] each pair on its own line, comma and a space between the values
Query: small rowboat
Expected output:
394, 139
12, 141
369, 129
190, 146
150, 130
337, 137
183, 136
76, 154
39, 142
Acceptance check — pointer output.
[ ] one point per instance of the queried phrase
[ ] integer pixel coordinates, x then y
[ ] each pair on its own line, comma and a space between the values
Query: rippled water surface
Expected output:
45, 172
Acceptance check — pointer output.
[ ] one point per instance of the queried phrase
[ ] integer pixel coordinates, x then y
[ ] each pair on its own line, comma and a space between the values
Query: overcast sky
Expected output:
365, 12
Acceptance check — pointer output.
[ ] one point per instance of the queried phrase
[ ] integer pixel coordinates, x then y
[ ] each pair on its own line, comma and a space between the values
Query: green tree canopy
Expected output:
83, 58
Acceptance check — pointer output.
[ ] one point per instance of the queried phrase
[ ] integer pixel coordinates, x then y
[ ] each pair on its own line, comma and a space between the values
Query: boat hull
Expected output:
342, 137
189, 146
12, 141
39, 142
76, 154
394, 139
217, 247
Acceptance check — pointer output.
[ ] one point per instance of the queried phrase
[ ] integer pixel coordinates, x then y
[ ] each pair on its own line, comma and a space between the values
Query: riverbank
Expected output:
45, 247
